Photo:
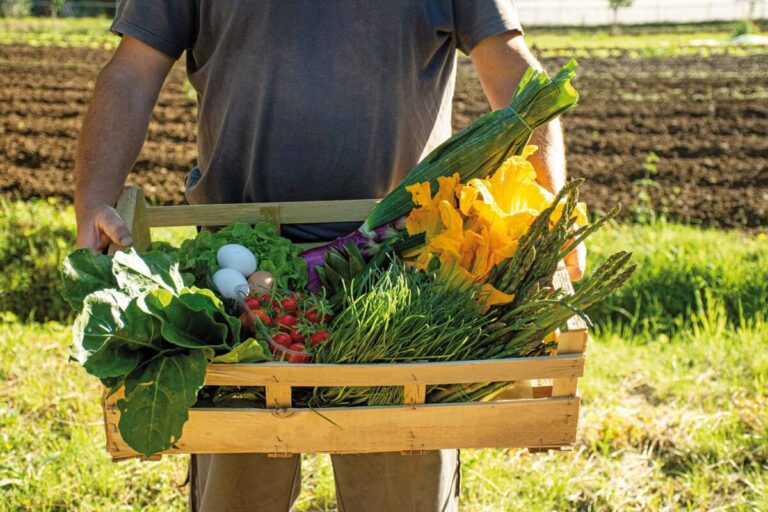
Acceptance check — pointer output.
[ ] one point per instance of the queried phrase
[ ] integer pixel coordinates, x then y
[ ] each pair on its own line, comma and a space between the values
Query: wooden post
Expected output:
569, 342
414, 394
278, 396
133, 210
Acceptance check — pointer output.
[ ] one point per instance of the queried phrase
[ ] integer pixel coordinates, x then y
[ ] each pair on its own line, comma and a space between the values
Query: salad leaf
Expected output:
137, 273
83, 273
141, 327
190, 319
158, 396
111, 333
274, 254
249, 351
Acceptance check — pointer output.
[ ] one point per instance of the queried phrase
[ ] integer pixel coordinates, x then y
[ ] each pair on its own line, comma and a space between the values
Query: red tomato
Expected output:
313, 316
318, 337
300, 357
282, 339
262, 315
287, 321
252, 302
289, 304
296, 336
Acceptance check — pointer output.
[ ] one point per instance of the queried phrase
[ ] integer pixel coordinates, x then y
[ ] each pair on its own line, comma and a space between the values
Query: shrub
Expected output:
743, 28
15, 8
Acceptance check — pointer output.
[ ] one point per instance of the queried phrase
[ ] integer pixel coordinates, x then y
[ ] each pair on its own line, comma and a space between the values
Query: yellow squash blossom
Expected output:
470, 228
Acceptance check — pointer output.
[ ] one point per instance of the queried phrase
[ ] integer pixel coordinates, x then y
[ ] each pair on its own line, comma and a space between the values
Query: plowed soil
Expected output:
705, 118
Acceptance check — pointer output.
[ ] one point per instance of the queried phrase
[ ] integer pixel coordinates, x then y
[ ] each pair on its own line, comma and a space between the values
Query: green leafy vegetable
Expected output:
138, 325
138, 273
111, 333
84, 273
190, 319
249, 351
158, 396
275, 254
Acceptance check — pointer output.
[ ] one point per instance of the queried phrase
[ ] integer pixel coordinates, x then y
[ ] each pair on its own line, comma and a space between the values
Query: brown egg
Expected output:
261, 282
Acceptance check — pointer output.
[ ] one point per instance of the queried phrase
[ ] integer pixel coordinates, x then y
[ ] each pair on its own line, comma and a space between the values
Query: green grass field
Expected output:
94, 32
674, 413
669, 423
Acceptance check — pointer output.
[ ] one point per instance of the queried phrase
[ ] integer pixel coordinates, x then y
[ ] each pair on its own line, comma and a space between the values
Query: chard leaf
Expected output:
157, 398
249, 351
83, 273
112, 335
137, 273
193, 319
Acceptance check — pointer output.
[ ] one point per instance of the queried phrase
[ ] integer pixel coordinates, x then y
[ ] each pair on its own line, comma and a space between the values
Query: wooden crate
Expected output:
546, 419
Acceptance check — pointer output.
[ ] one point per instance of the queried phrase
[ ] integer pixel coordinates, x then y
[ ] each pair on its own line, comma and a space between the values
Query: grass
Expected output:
94, 32
674, 423
679, 266
675, 393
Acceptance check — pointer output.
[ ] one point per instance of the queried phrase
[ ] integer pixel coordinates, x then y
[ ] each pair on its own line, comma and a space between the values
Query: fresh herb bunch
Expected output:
394, 315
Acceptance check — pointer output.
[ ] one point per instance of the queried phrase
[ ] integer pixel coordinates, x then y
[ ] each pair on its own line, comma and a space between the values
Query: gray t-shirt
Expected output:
314, 99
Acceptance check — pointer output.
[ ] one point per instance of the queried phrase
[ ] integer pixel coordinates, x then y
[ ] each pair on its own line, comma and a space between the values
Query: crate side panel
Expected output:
504, 424
463, 372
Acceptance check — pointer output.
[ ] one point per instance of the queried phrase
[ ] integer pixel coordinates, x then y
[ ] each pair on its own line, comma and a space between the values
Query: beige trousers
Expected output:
377, 482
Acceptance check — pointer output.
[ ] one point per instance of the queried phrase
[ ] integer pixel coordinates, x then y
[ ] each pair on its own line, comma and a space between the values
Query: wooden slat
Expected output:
504, 424
463, 372
569, 343
296, 212
132, 208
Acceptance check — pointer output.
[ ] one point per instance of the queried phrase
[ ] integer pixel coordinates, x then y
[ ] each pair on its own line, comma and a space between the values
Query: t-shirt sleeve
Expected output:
474, 20
166, 25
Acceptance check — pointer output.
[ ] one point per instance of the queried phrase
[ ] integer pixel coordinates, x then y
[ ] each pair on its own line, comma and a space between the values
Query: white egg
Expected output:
230, 283
237, 257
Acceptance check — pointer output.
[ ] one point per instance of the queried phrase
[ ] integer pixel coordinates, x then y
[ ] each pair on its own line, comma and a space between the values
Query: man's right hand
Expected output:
113, 132
98, 226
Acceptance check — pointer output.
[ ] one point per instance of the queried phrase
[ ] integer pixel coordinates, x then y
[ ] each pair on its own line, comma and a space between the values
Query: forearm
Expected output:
549, 160
113, 132
501, 62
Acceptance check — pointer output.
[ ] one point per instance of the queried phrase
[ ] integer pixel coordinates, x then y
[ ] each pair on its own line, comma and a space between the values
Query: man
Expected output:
302, 100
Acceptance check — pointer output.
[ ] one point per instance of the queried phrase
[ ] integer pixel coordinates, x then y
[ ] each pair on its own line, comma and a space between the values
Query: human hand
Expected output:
98, 225
576, 262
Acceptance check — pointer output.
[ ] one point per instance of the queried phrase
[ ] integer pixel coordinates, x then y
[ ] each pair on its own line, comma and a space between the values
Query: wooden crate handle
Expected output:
132, 208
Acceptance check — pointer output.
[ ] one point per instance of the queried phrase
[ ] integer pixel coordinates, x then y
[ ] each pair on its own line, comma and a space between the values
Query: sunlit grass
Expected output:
668, 423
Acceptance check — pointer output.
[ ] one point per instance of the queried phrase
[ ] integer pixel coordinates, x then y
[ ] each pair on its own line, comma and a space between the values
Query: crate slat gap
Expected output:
548, 420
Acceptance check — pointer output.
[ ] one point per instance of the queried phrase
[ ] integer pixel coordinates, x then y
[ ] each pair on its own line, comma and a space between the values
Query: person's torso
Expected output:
318, 99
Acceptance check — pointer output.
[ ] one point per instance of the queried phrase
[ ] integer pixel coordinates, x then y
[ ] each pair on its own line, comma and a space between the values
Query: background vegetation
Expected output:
675, 394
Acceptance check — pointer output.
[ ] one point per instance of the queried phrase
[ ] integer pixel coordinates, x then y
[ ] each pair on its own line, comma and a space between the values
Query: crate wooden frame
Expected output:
548, 420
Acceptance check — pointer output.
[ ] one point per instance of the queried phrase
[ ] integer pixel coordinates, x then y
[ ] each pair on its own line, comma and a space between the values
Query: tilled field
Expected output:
705, 118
